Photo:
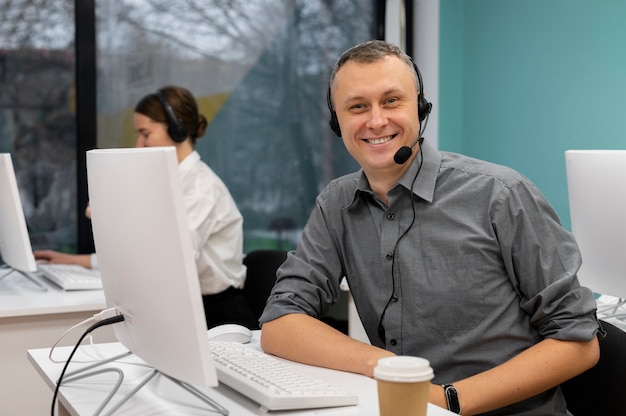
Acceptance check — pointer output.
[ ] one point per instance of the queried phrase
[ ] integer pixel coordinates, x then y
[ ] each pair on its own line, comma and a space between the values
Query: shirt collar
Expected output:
424, 186
185, 165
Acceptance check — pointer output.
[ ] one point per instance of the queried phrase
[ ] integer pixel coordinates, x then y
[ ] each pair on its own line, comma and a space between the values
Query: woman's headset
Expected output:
175, 127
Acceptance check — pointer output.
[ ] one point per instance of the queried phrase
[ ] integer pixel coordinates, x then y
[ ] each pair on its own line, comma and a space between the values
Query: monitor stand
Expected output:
85, 373
10, 270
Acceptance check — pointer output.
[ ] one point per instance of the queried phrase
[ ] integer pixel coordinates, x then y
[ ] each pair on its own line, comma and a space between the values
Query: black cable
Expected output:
108, 321
381, 328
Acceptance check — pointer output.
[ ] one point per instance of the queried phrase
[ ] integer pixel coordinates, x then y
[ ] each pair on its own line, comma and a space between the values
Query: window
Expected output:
37, 115
259, 69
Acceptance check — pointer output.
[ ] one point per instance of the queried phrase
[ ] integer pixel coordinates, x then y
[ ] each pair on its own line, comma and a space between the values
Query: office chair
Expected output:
261, 276
601, 390
262, 266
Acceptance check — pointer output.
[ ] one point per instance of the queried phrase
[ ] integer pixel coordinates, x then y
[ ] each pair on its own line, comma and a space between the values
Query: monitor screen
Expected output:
597, 201
146, 260
15, 247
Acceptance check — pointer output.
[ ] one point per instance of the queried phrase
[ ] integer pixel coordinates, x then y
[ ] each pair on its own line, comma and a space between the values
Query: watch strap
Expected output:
452, 398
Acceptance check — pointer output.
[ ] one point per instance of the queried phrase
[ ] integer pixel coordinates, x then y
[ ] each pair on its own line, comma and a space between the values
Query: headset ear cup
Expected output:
334, 124
175, 127
423, 107
178, 131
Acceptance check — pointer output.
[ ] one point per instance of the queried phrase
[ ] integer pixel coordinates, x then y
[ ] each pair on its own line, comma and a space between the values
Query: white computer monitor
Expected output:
15, 247
597, 201
146, 260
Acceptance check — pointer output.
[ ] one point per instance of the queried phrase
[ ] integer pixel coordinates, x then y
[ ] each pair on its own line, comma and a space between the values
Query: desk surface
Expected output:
612, 310
162, 397
33, 318
19, 296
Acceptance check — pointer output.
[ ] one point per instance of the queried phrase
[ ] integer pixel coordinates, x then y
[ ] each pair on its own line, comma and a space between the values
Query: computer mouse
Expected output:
230, 333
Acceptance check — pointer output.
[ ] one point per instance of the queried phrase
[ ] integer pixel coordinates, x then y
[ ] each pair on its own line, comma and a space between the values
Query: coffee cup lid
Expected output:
403, 368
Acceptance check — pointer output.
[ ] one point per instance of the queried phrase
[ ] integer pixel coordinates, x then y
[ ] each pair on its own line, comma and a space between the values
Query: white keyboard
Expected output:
271, 383
71, 276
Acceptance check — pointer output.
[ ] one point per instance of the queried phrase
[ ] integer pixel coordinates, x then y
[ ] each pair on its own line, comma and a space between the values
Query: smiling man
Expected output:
450, 258
376, 103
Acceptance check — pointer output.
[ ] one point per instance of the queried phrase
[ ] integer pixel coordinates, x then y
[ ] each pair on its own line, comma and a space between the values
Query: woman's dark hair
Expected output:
184, 105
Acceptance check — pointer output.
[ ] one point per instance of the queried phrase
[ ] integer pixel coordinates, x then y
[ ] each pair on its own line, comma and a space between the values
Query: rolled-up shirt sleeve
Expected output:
542, 259
308, 281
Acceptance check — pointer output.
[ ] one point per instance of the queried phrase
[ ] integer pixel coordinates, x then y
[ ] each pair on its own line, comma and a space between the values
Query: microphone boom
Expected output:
404, 153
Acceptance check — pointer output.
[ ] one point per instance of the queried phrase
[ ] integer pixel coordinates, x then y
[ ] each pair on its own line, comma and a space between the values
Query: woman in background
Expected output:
170, 117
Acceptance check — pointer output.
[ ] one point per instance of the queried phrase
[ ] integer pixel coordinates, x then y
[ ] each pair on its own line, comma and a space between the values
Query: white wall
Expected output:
426, 55
426, 49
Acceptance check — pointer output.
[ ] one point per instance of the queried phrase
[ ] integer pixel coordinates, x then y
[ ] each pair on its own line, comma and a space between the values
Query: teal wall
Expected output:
523, 81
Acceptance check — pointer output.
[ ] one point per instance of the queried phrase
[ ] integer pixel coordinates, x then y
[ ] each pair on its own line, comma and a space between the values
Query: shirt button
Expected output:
390, 217
389, 256
394, 298
393, 342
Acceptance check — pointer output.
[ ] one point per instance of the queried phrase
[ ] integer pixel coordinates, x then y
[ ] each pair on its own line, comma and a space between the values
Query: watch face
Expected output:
452, 398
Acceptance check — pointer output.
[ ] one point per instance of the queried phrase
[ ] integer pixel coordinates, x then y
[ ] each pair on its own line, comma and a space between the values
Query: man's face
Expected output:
376, 105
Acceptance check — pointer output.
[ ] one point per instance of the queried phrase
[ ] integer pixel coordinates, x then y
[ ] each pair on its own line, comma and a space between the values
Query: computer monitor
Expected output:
15, 247
597, 201
146, 260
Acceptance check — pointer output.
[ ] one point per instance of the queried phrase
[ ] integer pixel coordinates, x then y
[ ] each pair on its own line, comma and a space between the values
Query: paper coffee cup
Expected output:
403, 385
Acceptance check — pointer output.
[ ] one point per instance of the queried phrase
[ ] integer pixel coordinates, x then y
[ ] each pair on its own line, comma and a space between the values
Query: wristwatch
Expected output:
452, 398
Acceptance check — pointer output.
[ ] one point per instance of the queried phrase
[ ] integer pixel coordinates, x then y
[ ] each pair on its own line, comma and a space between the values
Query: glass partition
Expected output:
259, 69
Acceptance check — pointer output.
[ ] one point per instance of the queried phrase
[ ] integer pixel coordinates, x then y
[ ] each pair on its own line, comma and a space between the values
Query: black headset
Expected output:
423, 106
175, 127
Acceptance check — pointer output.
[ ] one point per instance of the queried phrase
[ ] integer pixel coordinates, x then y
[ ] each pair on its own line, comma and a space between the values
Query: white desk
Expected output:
612, 310
161, 397
33, 318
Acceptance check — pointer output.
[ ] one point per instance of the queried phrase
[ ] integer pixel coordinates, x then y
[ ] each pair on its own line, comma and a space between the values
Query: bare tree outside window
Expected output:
260, 70
37, 117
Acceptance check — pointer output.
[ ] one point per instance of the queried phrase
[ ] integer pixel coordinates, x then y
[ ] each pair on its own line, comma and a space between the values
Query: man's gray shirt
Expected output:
470, 271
